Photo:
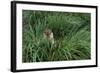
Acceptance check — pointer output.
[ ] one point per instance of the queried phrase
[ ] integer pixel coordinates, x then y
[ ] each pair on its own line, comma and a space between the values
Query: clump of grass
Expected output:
71, 34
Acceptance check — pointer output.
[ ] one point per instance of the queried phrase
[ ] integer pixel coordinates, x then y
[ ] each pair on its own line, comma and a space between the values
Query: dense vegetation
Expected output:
71, 34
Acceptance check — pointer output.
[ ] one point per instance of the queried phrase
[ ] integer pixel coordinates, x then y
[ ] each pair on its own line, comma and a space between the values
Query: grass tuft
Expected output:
71, 34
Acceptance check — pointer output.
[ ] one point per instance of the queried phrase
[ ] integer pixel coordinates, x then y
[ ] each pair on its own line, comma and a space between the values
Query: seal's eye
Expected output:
47, 33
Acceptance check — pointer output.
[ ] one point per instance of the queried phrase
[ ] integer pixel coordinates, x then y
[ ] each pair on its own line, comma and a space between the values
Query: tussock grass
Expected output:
71, 34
